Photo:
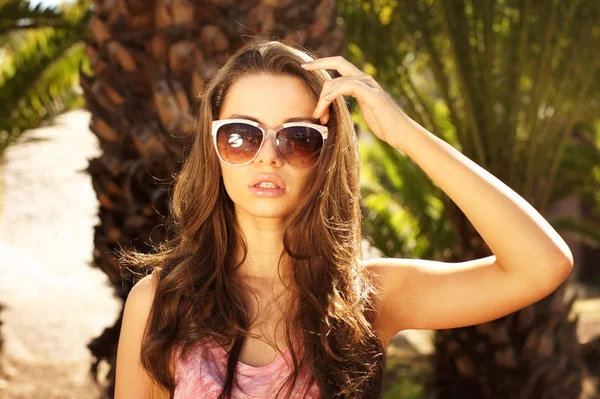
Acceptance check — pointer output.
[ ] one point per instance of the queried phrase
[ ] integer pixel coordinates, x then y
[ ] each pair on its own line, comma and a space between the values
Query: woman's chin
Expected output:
269, 211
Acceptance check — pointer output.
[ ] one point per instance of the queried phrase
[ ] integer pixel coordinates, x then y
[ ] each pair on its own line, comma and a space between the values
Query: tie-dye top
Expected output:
202, 374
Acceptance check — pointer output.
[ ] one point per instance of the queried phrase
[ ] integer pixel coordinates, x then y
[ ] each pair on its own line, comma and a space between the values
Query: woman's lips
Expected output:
268, 177
266, 192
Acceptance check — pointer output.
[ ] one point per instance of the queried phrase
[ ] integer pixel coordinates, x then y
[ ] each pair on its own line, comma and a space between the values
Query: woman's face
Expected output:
270, 100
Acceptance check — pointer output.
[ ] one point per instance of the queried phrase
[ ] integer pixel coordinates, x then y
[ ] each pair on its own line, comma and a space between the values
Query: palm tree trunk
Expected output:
150, 61
533, 353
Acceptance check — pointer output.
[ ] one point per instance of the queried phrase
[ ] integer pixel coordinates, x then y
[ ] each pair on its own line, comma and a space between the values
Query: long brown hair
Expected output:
197, 295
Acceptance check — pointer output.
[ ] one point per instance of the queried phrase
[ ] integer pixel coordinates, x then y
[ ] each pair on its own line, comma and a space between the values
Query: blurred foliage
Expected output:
402, 208
406, 378
513, 84
41, 52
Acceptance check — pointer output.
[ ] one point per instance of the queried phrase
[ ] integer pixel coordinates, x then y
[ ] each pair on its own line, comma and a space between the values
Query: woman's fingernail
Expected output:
304, 64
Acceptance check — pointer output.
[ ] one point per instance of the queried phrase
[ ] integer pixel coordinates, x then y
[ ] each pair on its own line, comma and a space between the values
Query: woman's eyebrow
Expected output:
293, 119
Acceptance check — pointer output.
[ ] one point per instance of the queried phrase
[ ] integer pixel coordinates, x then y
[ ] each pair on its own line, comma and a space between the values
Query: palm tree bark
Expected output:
532, 353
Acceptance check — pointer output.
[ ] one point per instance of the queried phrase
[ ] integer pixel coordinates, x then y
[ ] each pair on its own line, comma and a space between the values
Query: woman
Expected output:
262, 290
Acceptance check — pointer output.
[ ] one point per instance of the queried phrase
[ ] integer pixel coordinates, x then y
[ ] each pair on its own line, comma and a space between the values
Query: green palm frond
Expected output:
587, 232
27, 95
507, 84
508, 81
403, 212
579, 172
18, 14
39, 76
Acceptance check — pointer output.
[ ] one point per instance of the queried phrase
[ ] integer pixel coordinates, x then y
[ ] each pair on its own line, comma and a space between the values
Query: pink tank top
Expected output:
202, 375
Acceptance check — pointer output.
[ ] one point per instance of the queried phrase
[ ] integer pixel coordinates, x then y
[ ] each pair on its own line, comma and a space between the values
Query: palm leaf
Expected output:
588, 233
402, 206
18, 14
39, 74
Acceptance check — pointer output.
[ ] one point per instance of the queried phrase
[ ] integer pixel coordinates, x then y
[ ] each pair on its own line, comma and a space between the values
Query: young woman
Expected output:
262, 291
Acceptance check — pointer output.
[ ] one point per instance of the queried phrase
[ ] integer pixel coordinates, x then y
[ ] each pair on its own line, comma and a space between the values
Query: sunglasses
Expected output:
238, 141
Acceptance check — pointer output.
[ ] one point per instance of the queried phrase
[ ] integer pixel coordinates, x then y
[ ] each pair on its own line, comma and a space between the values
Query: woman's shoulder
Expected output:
145, 288
141, 296
135, 316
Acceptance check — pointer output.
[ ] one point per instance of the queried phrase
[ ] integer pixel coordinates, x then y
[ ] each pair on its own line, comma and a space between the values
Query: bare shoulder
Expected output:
430, 295
378, 272
139, 300
149, 282
132, 379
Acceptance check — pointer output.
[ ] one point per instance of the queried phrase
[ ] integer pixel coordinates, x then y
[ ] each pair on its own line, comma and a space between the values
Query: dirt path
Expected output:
55, 302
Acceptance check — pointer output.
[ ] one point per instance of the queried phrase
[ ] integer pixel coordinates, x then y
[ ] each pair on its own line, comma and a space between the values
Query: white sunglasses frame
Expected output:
268, 132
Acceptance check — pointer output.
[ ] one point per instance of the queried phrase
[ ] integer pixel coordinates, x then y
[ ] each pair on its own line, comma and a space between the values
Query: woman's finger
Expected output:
354, 87
338, 63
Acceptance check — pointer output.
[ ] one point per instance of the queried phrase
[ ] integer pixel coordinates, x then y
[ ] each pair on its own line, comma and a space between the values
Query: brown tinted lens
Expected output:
301, 146
237, 143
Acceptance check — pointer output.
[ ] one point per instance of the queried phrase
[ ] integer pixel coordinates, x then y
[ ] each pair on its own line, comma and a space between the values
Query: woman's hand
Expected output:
385, 119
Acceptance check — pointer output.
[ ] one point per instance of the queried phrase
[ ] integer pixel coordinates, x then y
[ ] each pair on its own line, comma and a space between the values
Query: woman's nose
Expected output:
268, 153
